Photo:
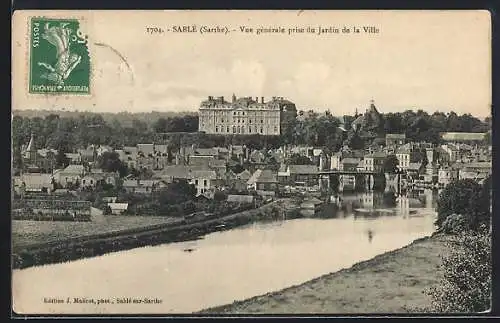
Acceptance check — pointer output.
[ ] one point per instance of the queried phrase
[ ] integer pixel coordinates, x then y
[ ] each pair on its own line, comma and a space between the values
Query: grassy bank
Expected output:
73, 248
32, 232
389, 283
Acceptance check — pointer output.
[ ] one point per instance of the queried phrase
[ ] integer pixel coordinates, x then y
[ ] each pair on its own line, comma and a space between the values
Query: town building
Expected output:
446, 175
374, 162
71, 175
118, 208
33, 183
264, 182
245, 115
299, 175
137, 186
395, 139
350, 164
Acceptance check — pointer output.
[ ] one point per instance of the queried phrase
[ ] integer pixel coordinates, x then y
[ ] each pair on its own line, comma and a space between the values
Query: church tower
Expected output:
31, 149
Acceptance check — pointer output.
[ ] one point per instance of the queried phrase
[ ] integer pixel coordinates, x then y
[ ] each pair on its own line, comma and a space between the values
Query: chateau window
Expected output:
242, 129
238, 129
227, 129
222, 120
242, 121
261, 120
238, 120
204, 182
243, 113
250, 121
249, 129
261, 130
234, 113
275, 129
216, 129
234, 129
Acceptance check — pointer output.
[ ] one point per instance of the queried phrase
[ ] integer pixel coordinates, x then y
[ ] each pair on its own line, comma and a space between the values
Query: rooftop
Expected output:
303, 169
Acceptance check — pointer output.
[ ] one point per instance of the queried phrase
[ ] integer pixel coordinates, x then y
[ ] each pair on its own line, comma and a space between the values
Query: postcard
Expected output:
251, 162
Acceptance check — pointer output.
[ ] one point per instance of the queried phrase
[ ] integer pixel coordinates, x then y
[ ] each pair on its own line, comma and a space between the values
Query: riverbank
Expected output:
392, 282
79, 247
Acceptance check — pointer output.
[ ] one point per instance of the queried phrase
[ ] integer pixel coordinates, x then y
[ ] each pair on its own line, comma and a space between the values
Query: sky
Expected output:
429, 60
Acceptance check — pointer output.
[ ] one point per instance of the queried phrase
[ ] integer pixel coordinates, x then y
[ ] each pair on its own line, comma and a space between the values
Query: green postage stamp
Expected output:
59, 57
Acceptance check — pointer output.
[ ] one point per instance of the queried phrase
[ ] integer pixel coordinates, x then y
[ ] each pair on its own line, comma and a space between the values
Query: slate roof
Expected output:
146, 149
350, 160
262, 176
244, 175
377, 154
74, 169
303, 169
395, 136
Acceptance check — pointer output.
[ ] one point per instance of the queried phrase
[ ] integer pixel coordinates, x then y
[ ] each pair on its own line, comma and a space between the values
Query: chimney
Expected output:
256, 99
262, 99
210, 98
221, 98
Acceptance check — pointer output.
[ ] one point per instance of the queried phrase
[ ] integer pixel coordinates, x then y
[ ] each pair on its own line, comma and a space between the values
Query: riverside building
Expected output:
246, 115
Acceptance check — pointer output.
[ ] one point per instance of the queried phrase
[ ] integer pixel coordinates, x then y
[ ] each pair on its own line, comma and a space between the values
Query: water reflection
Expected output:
370, 236
231, 265
369, 204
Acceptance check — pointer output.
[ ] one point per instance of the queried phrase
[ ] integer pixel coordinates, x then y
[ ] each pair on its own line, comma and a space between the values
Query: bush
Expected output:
466, 286
465, 197
455, 224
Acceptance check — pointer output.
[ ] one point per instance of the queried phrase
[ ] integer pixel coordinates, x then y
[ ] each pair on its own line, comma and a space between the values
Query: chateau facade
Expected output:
245, 115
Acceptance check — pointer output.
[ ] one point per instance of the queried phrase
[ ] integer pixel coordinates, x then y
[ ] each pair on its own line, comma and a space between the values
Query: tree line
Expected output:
66, 134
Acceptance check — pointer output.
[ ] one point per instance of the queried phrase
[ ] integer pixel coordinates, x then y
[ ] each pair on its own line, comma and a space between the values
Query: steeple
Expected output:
31, 149
234, 98
31, 145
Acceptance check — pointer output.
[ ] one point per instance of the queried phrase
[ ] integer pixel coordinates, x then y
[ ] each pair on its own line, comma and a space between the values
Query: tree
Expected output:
466, 286
219, 196
297, 159
467, 198
107, 210
177, 192
110, 162
62, 161
390, 165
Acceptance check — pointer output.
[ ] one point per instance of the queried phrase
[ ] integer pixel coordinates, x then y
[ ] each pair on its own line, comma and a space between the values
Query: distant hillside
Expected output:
109, 117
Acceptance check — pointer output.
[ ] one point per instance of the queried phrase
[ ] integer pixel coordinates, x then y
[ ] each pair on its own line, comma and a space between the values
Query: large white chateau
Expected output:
245, 115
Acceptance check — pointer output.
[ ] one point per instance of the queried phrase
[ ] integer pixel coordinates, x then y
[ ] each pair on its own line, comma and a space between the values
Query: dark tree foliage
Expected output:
110, 162
73, 131
297, 159
390, 164
177, 192
466, 198
62, 160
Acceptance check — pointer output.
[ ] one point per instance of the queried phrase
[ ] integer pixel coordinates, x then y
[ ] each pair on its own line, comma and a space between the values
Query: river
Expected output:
226, 266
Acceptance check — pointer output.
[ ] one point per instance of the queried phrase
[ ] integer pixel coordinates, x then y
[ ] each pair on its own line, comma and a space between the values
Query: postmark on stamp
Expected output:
59, 57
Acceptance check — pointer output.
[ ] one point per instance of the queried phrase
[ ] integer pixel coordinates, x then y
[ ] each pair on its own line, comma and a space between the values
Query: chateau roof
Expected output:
465, 136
